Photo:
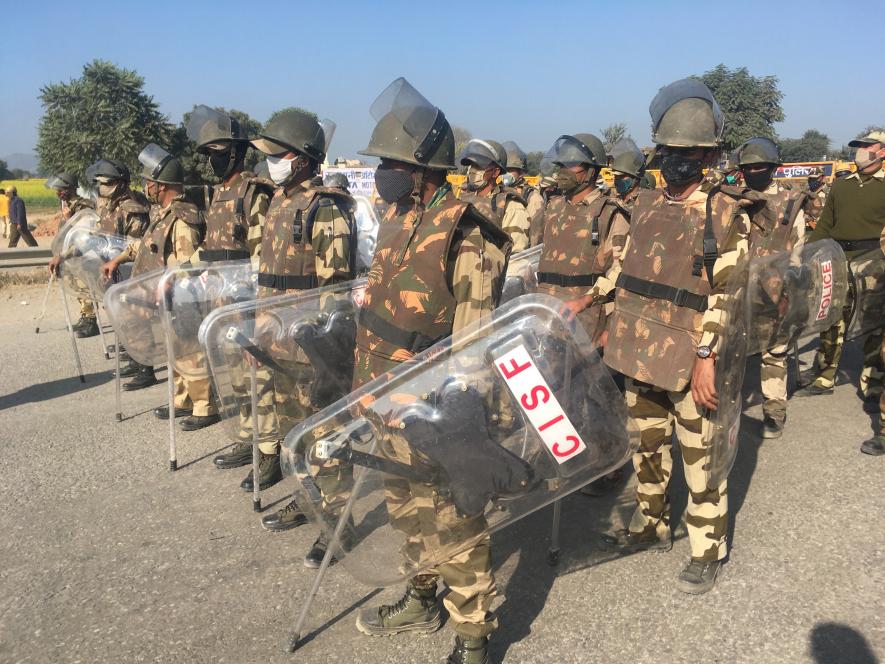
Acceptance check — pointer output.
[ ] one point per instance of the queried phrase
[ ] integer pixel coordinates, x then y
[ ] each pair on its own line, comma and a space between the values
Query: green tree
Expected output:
196, 166
5, 173
813, 146
612, 134
104, 113
751, 104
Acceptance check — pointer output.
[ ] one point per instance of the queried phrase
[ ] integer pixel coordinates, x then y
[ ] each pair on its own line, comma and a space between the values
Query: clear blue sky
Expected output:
527, 71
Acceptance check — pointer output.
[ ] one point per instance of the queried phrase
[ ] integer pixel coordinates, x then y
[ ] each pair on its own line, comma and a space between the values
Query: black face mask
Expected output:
678, 169
393, 185
758, 181
814, 185
220, 163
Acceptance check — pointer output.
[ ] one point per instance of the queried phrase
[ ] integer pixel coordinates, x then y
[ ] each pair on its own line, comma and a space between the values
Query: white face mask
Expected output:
280, 169
864, 158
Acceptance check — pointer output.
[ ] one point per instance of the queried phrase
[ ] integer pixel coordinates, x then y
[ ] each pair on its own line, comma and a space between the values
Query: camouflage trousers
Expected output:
829, 354
429, 521
774, 382
198, 386
658, 413
87, 308
289, 399
180, 398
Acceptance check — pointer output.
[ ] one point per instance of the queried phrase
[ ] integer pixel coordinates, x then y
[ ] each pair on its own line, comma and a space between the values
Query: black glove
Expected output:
329, 345
455, 439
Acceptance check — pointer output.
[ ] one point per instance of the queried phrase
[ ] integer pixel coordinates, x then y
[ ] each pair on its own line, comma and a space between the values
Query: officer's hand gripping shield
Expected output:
867, 298
87, 250
133, 306
85, 218
794, 294
522, 274
303, 342
462, 440
189, 295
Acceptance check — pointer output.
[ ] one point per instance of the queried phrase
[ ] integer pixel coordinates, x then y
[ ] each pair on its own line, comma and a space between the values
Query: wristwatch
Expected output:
704, 352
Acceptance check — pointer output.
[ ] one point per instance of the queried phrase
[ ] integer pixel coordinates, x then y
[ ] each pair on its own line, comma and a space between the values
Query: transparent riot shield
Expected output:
795, 294
303, 346
367, 225
133, 306
722, 426
85, 218
522, 274
87, 250
867, 297
460, 441
189, 294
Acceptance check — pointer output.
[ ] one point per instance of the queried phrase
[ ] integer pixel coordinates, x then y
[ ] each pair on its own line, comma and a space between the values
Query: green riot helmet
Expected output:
574, 150
61, 181
210, 129
628, 158
685, 114
516, 158
758, 150
294, 130
484, 154
160, 166
106, 170
410, 129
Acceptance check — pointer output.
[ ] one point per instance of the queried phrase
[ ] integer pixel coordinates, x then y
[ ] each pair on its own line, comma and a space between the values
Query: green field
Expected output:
33, 192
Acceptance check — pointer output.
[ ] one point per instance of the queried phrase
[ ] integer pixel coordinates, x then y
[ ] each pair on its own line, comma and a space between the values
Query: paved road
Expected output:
106, 556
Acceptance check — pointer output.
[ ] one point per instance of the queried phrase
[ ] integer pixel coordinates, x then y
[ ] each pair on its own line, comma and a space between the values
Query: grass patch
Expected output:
28, 277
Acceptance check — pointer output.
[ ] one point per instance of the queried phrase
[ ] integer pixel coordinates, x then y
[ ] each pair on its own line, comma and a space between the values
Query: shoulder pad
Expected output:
617, 204
187, 212
259, 184
82, 203
489, 228
513, 194
135, 204
743, 197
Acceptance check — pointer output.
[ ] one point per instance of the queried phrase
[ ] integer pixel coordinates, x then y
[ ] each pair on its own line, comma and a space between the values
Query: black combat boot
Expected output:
240, 455
314, 557
269, 473
88, 329
698, 576
875, 446
629, 542
772, 427
162, 413
144, 378
195, 422
287, 518
417, 612
470, 651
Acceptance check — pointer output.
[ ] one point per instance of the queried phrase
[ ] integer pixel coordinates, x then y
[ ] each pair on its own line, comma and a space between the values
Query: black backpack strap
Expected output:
711, 247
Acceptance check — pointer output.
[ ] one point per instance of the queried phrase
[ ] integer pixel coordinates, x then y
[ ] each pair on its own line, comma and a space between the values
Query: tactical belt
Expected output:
858, 245
411, 341
678, 296
213, 255
567, 280
288, 281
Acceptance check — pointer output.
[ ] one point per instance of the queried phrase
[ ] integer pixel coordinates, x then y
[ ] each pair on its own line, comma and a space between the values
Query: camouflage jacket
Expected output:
72, 206
534, 207
308, 240
581, 242
171, 238
654, 339
778, 223
235, 219
434, 272
814, 204
507, 208
126, 215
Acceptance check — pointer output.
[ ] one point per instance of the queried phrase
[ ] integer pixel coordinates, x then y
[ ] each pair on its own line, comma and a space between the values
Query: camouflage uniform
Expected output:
172, 238
582, 241
69, 208
534, 207
308, 242
506, 207
234, 226
814, 205
882, 359
829, 353
124, 215
433, 273
653, 342
778, 227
